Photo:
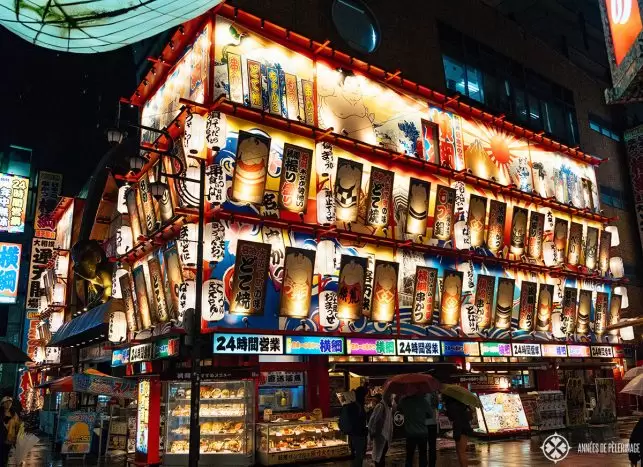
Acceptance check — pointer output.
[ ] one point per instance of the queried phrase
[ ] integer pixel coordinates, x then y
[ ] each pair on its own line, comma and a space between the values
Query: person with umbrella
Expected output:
380, 429
8, 429
458, 401
352, 422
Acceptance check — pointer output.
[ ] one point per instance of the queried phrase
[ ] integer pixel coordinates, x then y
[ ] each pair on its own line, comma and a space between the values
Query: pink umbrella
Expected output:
410, 384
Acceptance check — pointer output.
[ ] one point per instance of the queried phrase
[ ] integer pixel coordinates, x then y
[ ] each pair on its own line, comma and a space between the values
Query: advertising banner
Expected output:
250, 169
418, 210
77, 429
591, 247
417, 348
379, 201
312, 345
14, 191
158, 290
424, 295
250, 274
504, 303
350, 294
495, 349
10, 254
528, 293
384, 291
476, 219
518, 230
295, 178
545, 307
535, 235
496, 231
451, 299
359, 346
484, 301
142, 303
584, 311
604, 252
49, 187
560, 239
575, 244
443, 216
554, 350
460, 349
347, 189
568, 322
600, 313
296, 291
259, 344
105, 385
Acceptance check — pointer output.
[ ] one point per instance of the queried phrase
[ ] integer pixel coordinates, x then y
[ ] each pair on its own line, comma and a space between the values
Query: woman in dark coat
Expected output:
460, 416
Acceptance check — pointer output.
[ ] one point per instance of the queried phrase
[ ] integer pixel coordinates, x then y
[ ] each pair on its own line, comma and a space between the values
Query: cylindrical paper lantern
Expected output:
462, 238
214, 238
194, 139
124, 239
616, 267
187, 243
117, 291
622, 291
117, 331
59, 293
216, 130
616, 241
325, 207
62, 265
550, 254
212, 300
121, 206
187, 298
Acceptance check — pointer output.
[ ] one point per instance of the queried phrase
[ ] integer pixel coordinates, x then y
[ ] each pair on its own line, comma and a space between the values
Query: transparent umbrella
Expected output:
634, 387
633, 373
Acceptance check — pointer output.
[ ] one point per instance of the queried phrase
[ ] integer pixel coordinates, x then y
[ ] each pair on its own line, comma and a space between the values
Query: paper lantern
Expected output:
117, 330
326, 258
212, 300
60, 291
616, 267
216, 130
121, 205
627, 333
550, 254
52, 355
324, 159
187, 242
462, 237
187, 298
117, 291
189, 191
214, 239
194, 138
616, 241
622, 291
328, 310
62, 265
466, 268
325, 207
124, 239
56, 320
216, 188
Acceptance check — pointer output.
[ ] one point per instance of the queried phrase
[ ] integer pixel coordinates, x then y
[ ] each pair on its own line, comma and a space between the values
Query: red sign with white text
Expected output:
625, 25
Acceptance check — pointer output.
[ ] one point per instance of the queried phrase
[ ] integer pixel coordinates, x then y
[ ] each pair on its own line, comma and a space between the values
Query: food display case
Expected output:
226, 419
282, 442
501, 413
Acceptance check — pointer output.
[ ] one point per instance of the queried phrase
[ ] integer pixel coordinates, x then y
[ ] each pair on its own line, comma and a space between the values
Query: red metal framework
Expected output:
336, 58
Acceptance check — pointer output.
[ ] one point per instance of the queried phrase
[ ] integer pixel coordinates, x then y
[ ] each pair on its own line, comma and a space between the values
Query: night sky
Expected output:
59, 104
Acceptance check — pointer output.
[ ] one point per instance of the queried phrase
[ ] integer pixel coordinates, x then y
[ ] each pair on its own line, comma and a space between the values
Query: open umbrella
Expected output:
634, 387
461, 394
9, 353
410, 384
633, 373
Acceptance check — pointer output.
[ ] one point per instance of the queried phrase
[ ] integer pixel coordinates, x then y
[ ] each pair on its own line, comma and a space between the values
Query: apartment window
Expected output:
600, 126
504, 86
612, 196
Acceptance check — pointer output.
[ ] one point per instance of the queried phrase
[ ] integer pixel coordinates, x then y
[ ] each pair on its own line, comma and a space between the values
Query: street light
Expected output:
115, 136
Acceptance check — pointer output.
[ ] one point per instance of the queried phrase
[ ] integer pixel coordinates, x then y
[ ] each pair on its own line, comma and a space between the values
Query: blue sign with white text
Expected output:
312, 345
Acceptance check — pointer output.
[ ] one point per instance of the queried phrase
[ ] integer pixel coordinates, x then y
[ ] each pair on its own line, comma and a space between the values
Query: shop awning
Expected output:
87, 326
94, 382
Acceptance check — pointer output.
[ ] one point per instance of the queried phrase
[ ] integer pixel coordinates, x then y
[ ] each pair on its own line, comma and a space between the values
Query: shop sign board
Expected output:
167, 347
460, 349
370, 346
10, 254
141, 353
495, 349
619, 352
77, 432
263, 344
282, 378
554, 350
577, 351
143, 416
526, 350
417, 348
602, 351
120, 357
313, 345
49, 186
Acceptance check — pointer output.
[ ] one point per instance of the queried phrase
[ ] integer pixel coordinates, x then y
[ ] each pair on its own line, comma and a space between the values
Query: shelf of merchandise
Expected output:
335, 232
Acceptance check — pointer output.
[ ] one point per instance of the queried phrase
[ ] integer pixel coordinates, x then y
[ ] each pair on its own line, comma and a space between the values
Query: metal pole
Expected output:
195, 381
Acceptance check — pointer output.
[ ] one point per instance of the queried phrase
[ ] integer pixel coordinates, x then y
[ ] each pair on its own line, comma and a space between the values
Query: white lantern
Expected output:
117, 292
616, 241
117, 331
187, 298
212, 300
466, 268
52, 355
324, 159
462, 237
216, 130
38, 355
216, 188
190, 191
194, 139
214, 239
56, 320
622, 291
59, 293
121, 205
627, 333
325, 258
124, 239
616, 267
325, 207
187, 243
550, 254
62, 265
328, 310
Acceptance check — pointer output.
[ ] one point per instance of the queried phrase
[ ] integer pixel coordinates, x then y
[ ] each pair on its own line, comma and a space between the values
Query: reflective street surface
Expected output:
493, 453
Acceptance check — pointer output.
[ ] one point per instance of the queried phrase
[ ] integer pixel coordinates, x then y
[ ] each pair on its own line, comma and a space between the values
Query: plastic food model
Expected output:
299, 435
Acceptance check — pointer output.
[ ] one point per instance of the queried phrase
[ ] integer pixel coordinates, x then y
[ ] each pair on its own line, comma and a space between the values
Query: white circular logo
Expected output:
621, 11
398, 419
555, 447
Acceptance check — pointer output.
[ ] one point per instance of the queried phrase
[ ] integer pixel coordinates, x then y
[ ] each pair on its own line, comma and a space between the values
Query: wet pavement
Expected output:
493, 453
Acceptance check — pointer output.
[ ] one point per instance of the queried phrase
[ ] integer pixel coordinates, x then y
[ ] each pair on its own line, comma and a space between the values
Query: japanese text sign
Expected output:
312, 345
370, 346
49, 186
495, 349
460, 349
578, 351
9, 271
554, 350
526, 350
414, 347
602, 351
263, 344
13, 203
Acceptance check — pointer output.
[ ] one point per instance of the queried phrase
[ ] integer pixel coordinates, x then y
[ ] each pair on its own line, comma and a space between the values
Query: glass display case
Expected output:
281, 442
501, 413
226, 420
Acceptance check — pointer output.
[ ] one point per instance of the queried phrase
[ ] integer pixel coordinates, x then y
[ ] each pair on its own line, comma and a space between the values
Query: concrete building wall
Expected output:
410, 43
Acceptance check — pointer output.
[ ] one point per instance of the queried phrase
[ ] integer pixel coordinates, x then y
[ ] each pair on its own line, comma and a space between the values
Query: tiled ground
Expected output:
496, 453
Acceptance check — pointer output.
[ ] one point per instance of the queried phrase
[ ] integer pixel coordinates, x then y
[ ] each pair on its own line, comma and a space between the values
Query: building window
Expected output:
600, 126
356, 24
612, 197
504, 86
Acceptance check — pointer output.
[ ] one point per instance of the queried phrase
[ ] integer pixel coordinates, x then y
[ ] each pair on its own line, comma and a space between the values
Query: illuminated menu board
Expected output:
460, 349
370, 346
13, 203
526, 350
313, 345
143, 414
554, 350
418, 348
495, 349
577, 351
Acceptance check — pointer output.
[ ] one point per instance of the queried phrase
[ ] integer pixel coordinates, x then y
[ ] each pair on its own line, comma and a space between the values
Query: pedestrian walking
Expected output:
432, 428
636, 443
416, 410
352, 422
460, 415
380, 429
8, 429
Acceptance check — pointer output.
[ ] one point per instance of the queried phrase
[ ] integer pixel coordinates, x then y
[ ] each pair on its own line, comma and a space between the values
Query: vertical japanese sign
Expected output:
384, 291
528, 292
591, 247
347, 189
235, 78
600, 313
604, 252
451, 299
495, 233
13, 202
379, 199
575, 244
545, 307
483, 302
444, 206
128, 301
424, 295
309, 101
476, 219
535, 235
584, 309
518, 230
292, 97
251, 166
158, 292
142, 302
49, 186
9, 271
132, 212
42, 251
173, 280
274, 91
250, 274
419, 192
295, 178
431, 142
151, 222
615, 311
254, 84
504, 302
560, 239
298, 283
570, 298
352, 275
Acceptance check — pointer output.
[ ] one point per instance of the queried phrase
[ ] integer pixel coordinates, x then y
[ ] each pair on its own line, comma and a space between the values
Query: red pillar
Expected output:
318, 395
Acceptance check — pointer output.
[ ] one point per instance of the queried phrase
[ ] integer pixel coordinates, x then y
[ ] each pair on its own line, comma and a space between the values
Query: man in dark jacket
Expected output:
416, 410
353, 423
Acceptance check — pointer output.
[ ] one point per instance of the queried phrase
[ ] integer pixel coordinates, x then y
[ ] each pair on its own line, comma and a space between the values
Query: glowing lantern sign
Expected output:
527, 306
214, 238
451, 299
121, 206
325, 207
296, 290
347, 189
212, 300
194, 138
518, 230
379, 199
216, 189
600, 313
584, 308
216, 130
187, 242
187, 299
476, 219
416, 218
384, 291
495, 234
424, 295
295, 178
117, 331
324, 160
484, 301
544, 308
250, 169
504, 303
124, 240
249, 281
81, 27
444, 206
604, 252
352, 275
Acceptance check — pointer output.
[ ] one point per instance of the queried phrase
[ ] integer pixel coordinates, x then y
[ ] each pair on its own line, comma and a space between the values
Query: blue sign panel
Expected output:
120, 357
460, 349
312, 345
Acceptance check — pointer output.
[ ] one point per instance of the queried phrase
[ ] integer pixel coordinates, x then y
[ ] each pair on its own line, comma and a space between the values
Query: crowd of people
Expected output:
420, 413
